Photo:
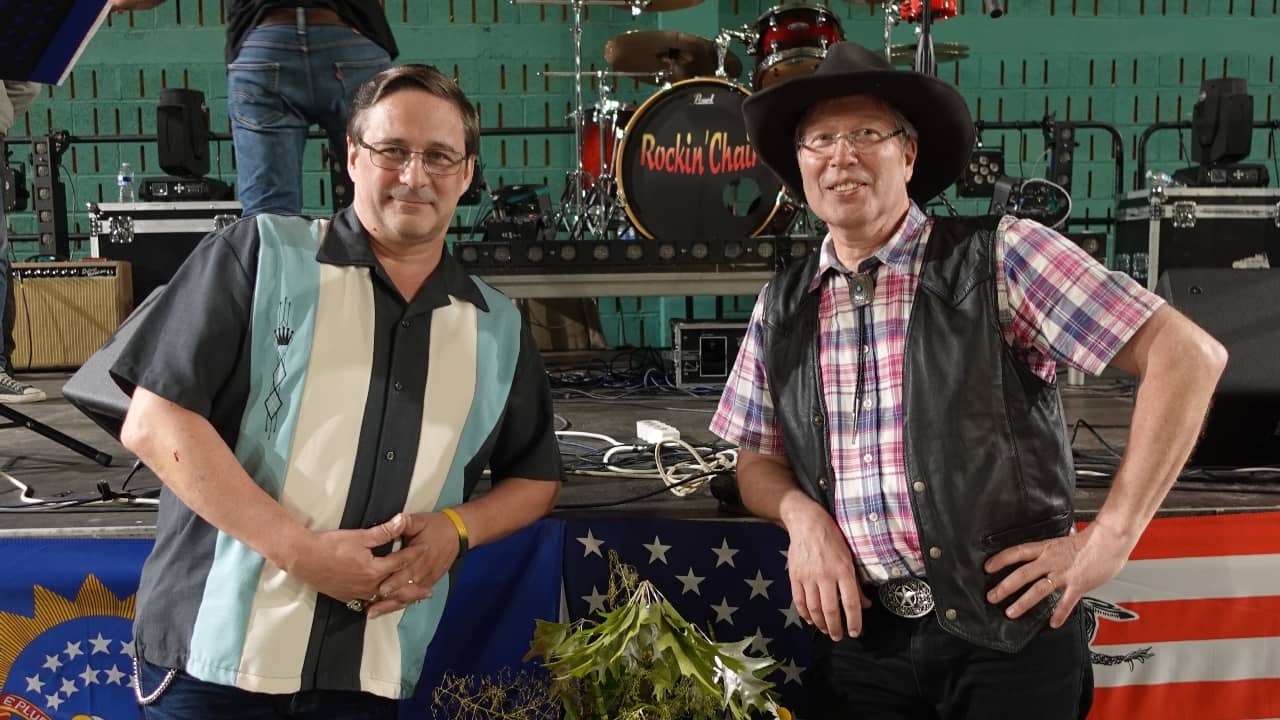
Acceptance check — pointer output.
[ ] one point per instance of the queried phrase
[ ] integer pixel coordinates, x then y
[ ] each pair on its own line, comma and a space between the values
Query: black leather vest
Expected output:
987, 457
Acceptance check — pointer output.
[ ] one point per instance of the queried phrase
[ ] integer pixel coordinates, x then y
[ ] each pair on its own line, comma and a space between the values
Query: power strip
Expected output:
655, 431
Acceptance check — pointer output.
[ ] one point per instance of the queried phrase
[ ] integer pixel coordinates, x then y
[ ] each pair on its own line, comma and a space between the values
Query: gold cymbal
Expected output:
668, 55
664, 5
905, 54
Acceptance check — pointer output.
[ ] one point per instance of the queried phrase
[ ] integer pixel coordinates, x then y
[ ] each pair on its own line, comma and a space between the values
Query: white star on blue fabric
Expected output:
73, 650
792, 617
113, 675
724, 611
100, 645
724, 554
51, 662
760, 643
791, 672
34, 683
89, 676
126, 647
690, 583
595, 600
69, 687
53, 702
657, 551
759, 586
591, 544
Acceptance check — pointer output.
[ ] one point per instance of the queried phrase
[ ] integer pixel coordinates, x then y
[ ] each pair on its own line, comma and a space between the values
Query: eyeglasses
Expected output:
860, 139
395, 157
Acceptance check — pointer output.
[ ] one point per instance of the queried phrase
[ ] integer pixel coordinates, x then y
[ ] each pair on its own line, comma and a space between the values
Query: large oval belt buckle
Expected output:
909, 598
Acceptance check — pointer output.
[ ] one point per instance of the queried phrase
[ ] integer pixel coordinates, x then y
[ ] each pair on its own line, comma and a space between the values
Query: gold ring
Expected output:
410, 581
1052, 587
356, 605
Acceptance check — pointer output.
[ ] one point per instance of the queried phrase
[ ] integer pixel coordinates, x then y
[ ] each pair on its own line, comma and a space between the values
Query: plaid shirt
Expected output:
1056, 305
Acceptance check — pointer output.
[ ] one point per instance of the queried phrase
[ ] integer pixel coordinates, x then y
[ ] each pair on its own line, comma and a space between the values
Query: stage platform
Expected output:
54, 472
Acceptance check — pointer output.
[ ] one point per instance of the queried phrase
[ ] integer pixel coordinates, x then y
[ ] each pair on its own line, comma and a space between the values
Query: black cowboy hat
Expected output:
936, 109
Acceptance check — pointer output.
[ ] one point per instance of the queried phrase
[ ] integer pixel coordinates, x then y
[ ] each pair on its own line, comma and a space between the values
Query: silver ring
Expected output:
356, 605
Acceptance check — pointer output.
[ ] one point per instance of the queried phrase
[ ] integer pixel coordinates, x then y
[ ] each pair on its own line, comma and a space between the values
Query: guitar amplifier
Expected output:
65, 311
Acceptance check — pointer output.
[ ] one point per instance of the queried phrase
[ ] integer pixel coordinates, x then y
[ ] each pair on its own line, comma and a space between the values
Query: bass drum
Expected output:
686, 170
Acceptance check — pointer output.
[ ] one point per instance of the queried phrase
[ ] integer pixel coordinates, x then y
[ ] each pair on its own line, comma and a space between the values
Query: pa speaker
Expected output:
182, 133
1241, 308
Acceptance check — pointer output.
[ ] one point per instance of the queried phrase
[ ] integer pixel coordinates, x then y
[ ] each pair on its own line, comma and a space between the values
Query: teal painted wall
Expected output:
1130, 63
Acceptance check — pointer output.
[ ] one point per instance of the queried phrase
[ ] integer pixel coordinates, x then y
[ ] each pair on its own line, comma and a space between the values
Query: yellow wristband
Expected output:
464, 541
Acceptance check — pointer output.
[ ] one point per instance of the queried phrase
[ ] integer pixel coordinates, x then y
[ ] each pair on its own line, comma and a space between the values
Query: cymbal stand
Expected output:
925, 61
745, 34
891, 17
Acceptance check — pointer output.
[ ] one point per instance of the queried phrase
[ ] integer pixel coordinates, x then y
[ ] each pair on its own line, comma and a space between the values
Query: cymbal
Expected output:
905, 54
673, 55
664, 5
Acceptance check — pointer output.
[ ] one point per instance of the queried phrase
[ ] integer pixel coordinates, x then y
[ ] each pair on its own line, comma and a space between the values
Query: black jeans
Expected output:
913, 669
190, 699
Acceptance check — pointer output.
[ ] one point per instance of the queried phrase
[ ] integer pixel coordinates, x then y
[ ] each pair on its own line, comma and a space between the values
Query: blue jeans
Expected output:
190, 699
285, 79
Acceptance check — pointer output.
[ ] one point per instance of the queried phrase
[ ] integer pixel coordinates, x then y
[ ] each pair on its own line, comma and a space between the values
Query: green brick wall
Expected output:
1130, 63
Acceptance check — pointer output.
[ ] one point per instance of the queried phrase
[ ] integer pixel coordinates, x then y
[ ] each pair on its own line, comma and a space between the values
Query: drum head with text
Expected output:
686, 170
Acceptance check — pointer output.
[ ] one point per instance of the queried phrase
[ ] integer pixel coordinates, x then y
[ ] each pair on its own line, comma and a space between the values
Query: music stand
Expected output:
17, 419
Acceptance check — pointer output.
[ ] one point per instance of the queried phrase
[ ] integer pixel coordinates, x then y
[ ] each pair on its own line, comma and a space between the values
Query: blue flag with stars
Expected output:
729, 577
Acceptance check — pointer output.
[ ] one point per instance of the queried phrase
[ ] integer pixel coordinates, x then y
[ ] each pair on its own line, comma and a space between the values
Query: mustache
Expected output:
408, 195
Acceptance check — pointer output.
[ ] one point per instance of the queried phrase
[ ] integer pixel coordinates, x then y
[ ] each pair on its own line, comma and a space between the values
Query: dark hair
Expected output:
421, 77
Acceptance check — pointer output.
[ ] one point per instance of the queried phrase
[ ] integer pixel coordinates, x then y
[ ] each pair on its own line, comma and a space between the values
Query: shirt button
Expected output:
866, 349
896, 572
935, 552
398, 386
867, 458
391, 455
951, 613
873, 516
822, 483
917, 486
405, 323
867, 404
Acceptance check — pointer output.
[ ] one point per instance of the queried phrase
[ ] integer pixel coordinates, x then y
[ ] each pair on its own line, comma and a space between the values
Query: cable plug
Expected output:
655, 431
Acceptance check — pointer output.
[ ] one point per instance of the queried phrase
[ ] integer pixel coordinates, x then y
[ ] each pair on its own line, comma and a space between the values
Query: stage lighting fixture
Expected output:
979, 176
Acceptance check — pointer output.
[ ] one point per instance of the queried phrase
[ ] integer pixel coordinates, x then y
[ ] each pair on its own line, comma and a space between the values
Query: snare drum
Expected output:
601, 130
913, 10
790, 41
686, 169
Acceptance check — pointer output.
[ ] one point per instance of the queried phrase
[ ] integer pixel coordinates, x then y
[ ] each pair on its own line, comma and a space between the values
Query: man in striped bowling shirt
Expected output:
320, 399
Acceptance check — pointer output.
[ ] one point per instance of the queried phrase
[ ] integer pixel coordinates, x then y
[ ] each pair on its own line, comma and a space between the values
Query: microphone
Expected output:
994, 8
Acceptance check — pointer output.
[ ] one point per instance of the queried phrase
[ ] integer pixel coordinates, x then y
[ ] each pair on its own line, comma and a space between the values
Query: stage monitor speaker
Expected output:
1241, 308
63, 312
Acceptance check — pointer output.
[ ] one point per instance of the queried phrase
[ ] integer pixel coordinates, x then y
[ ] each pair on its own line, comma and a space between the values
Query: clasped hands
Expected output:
342, 563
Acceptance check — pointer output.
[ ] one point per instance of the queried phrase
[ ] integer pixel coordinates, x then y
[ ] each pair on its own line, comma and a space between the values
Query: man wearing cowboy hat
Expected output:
896, 410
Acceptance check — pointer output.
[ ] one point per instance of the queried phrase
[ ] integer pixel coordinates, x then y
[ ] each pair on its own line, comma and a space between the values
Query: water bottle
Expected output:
124, 183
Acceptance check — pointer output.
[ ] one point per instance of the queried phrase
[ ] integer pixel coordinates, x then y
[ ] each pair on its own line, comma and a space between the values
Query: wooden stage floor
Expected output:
53, 472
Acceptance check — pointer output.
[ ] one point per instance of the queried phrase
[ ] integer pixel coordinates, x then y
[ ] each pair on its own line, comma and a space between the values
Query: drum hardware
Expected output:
788, 41
905, 54
680, 56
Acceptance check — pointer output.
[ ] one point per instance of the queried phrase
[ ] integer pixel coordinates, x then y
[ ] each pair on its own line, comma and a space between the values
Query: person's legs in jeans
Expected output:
266, 86
341, 61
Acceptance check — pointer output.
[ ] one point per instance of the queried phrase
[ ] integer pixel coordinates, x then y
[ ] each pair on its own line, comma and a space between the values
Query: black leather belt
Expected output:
289, 16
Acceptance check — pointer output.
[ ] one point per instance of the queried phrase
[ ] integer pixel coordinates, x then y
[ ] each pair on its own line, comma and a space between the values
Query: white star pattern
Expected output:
592, 545
51, 662
126, 647
791, 672
100, 645
759, 643
724, 611
35, 684
792, 617
89, 676
113, 675
69, 687
53, 702
785, 558
759, 586
724, 554
73, 650
690, 583
657, 551
595, 600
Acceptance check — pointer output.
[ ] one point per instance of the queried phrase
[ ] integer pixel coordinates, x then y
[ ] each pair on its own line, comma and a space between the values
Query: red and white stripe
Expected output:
1206, 591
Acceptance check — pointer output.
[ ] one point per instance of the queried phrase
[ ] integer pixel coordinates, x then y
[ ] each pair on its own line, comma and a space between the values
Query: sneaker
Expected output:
13, 391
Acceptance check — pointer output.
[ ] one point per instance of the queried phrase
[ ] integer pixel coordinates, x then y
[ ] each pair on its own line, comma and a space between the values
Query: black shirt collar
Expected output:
347, 243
